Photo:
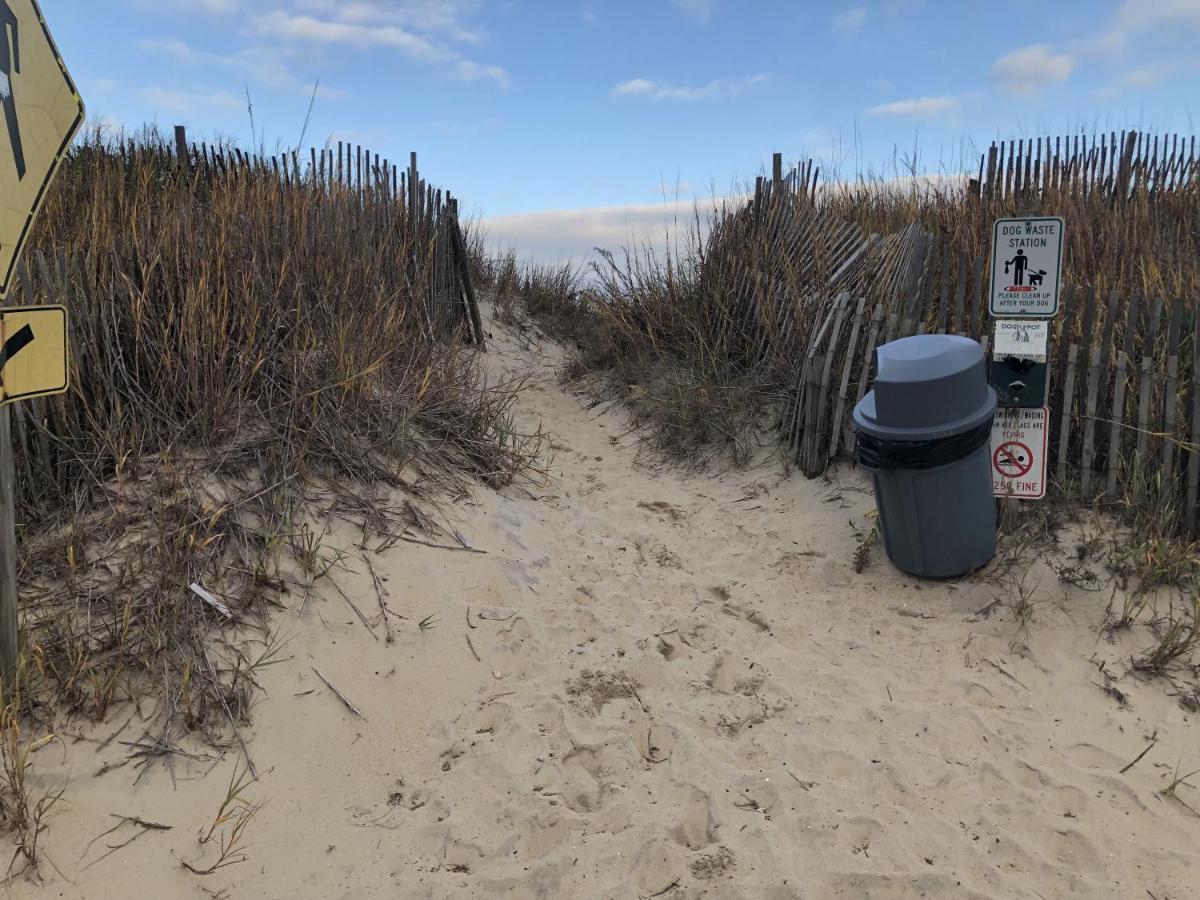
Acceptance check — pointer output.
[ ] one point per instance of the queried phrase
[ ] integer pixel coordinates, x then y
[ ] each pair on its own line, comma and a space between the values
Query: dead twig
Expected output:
1137, 759
413, 540
350, 706
380, 593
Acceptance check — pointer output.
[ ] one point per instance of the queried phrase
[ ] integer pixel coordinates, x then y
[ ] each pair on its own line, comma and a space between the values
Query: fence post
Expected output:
8, 555
181, 147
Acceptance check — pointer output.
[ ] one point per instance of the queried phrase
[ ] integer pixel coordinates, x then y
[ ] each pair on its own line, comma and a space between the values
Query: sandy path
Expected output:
684, 690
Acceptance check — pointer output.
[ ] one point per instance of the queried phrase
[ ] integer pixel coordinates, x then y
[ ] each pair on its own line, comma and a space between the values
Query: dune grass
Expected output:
251, 357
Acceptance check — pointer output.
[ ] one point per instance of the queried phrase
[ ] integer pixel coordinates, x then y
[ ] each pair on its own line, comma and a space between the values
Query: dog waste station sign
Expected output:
41, 111
1026, 264
1025, 279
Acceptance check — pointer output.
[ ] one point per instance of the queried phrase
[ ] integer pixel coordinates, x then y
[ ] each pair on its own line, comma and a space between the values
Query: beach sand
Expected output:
683, 689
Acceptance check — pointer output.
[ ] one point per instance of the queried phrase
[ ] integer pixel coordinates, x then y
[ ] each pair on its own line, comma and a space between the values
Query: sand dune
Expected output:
683, 690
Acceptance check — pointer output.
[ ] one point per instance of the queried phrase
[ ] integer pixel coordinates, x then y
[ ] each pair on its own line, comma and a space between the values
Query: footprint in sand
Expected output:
697, 823
663, 509
730, 675
656, 744
582, 789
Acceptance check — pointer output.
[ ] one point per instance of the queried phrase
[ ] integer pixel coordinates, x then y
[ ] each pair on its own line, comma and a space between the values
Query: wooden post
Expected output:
8, 556
1117, 413
181, 147
1089, 424
1064, 429
837, 421
960, 326
1145, 388
976, 317
1193, 466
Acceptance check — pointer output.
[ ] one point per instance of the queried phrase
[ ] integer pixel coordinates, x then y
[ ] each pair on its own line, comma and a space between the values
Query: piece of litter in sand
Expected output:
210, 600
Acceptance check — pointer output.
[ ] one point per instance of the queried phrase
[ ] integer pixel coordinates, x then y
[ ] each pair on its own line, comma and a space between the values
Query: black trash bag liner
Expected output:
884, 453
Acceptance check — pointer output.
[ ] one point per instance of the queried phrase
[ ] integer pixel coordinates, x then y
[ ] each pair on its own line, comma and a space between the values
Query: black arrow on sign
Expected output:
15, 344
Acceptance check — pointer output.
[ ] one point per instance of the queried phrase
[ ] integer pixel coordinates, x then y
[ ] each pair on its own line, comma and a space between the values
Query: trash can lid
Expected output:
927, 386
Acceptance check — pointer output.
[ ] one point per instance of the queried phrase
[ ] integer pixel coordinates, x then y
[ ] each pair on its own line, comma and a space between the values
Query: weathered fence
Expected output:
191, 272
1114, 164
429, 214
1124, 391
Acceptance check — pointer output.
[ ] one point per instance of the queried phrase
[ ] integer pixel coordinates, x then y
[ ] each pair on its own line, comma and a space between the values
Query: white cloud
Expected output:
214, 7
915, 106
1145, 77
1148, 76
850, 20
443, 17
1024, 71
427, 31
1136, 17
176, 50
700, 10
1141, 15
561, 235
264, 65
188, 100
718, 89
107, 125
356, 28
572, 234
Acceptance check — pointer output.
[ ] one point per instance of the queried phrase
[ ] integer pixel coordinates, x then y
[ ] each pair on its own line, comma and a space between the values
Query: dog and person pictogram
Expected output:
1019, 264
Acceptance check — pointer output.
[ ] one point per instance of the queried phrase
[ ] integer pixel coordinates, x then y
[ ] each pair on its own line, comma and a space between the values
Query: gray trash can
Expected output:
923, 433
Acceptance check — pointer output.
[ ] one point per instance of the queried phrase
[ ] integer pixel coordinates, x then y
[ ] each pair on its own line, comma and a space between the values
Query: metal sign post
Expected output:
42, 112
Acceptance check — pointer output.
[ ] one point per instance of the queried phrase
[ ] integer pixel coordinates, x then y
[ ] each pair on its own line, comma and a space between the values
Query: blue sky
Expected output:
524, 106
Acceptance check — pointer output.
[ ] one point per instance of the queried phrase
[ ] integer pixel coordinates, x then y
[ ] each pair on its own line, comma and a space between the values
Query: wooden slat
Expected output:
960, 291
1116, 432
1097, 376
944, 291
1089, 424
1193, 464
1065, 416
977, 299
868, 357
1146, 384
842, 304
1170, 403
1117, 416
837, 422
1057, 363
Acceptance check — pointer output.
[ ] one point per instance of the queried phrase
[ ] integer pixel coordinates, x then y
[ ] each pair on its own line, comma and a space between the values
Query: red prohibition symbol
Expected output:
1013, 459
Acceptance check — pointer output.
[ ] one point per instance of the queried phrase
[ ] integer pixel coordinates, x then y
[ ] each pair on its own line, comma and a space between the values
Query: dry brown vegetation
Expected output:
705, 342
252, 356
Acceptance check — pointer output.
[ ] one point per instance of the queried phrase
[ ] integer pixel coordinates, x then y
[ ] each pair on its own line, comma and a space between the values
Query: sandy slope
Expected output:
684, 690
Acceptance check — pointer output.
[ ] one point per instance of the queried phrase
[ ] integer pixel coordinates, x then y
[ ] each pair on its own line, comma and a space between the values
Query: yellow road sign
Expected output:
40, 112
33, 352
